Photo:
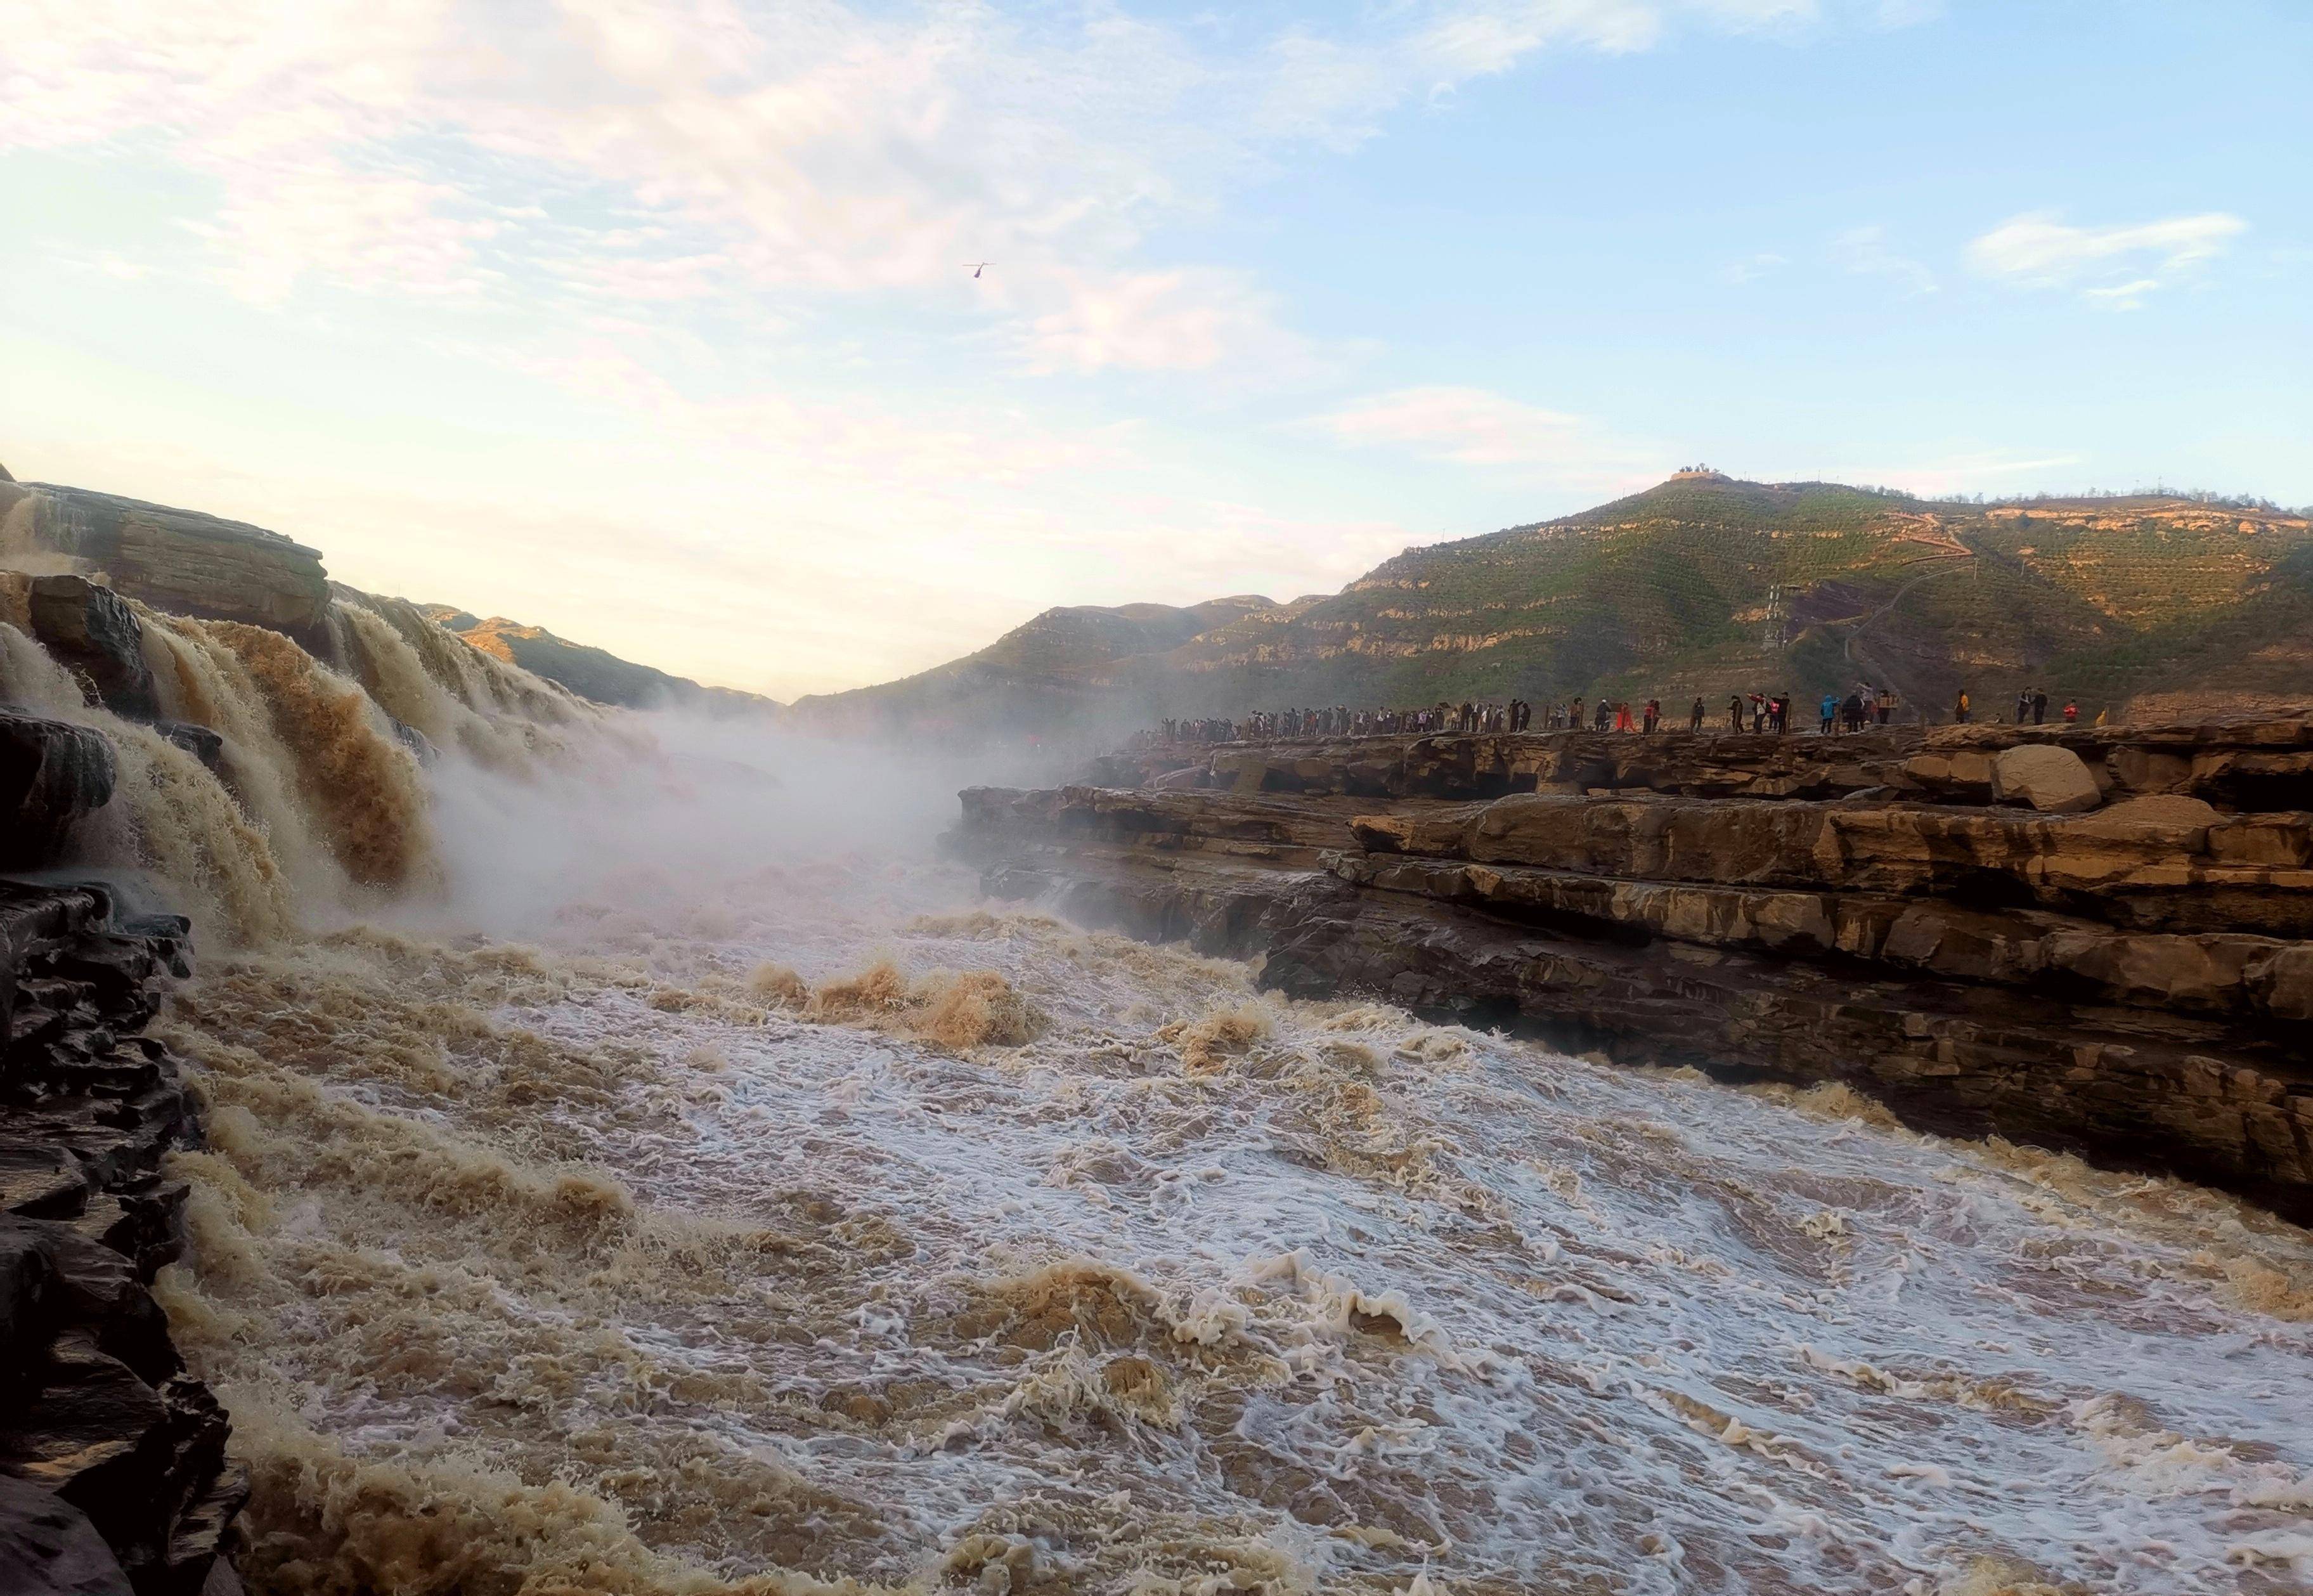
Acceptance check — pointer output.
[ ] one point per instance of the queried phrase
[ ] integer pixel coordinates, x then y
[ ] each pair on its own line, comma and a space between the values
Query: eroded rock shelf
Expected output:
2095, 939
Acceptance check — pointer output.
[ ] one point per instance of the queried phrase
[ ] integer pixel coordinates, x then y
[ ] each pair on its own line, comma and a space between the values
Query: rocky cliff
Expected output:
113, 1475
2095, 939
179, 560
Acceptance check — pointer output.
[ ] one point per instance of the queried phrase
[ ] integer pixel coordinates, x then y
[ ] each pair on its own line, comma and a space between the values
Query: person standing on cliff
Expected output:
1695, 721
1959, 709
1735, 713
2072, 712
2039, 707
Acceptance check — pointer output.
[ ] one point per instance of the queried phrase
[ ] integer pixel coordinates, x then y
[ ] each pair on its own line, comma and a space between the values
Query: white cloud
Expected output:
1160, 321
2039, 251
1491, 36
594, 192
700, 151
1794, 16
1980, 471
1753, 266
2122, 297
1476, 427
1865, 250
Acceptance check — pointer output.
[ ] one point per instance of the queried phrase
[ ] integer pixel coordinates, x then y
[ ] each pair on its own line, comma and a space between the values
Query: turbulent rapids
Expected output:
638, 1164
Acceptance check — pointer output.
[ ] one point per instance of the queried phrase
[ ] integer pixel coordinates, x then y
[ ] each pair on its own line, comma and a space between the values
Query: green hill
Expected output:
1707, 586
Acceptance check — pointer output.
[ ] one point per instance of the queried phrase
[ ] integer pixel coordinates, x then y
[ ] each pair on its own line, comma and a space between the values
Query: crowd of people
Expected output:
2031, 709
1264, 726
1761, 713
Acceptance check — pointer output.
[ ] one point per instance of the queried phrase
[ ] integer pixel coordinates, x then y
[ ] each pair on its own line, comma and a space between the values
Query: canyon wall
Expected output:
2094, 939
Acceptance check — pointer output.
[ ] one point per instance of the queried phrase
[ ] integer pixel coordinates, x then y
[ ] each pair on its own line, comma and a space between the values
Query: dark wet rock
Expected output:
416, 742
199, 741
91, 630
2129, 982
95, 1406
53, 774
49, 1548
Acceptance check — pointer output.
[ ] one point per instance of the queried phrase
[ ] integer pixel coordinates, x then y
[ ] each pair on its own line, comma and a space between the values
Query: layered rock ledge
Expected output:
2094, 939
113, 1475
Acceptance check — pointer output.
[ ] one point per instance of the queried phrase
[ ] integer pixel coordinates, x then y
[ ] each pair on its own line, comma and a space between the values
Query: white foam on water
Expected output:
1382, 1302
683, 1183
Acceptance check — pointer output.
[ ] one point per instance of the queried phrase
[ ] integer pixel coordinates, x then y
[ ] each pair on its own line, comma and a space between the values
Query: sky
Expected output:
658, 323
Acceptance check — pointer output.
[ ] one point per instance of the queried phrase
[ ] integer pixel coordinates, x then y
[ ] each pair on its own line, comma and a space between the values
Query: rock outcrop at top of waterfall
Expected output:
185, 562
2095, 939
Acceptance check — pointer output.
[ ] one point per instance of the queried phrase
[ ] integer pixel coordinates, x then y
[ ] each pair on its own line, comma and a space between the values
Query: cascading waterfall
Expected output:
456, 703
30, 680
170, 816
198, 679
362, 786
318, 810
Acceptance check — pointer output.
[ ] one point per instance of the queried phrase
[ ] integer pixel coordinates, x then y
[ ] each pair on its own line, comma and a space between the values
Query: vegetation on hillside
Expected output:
1706, 586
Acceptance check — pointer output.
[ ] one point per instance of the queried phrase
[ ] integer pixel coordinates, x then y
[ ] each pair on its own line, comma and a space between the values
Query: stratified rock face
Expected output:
95, 1407
2131, 981
181, 560
91, 630
2051, 779
52, 775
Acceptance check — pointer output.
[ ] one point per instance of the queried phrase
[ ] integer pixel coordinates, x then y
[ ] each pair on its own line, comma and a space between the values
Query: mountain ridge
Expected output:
1703, 584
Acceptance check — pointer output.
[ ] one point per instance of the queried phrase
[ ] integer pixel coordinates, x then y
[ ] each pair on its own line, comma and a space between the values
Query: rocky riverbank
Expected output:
2095, 939
113, 1475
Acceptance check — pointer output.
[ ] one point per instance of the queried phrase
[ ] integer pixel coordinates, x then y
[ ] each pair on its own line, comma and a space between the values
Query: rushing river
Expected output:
689, 1186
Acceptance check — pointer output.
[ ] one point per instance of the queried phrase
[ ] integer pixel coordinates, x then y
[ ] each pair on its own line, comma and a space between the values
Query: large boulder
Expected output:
90, 629
52, 774
2052, 780
48, 1547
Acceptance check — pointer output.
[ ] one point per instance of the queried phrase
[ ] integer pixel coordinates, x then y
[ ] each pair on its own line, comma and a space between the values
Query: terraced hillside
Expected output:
1707, 586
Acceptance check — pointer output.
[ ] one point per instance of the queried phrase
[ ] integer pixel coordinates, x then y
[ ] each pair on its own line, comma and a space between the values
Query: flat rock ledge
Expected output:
113, 1475
2129, 978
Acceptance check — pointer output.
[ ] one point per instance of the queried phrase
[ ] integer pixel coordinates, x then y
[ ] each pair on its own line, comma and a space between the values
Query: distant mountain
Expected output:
1059, 669
589, 672
1702, 585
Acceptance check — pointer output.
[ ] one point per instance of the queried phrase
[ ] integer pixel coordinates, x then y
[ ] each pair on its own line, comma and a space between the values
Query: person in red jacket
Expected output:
2071, 713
